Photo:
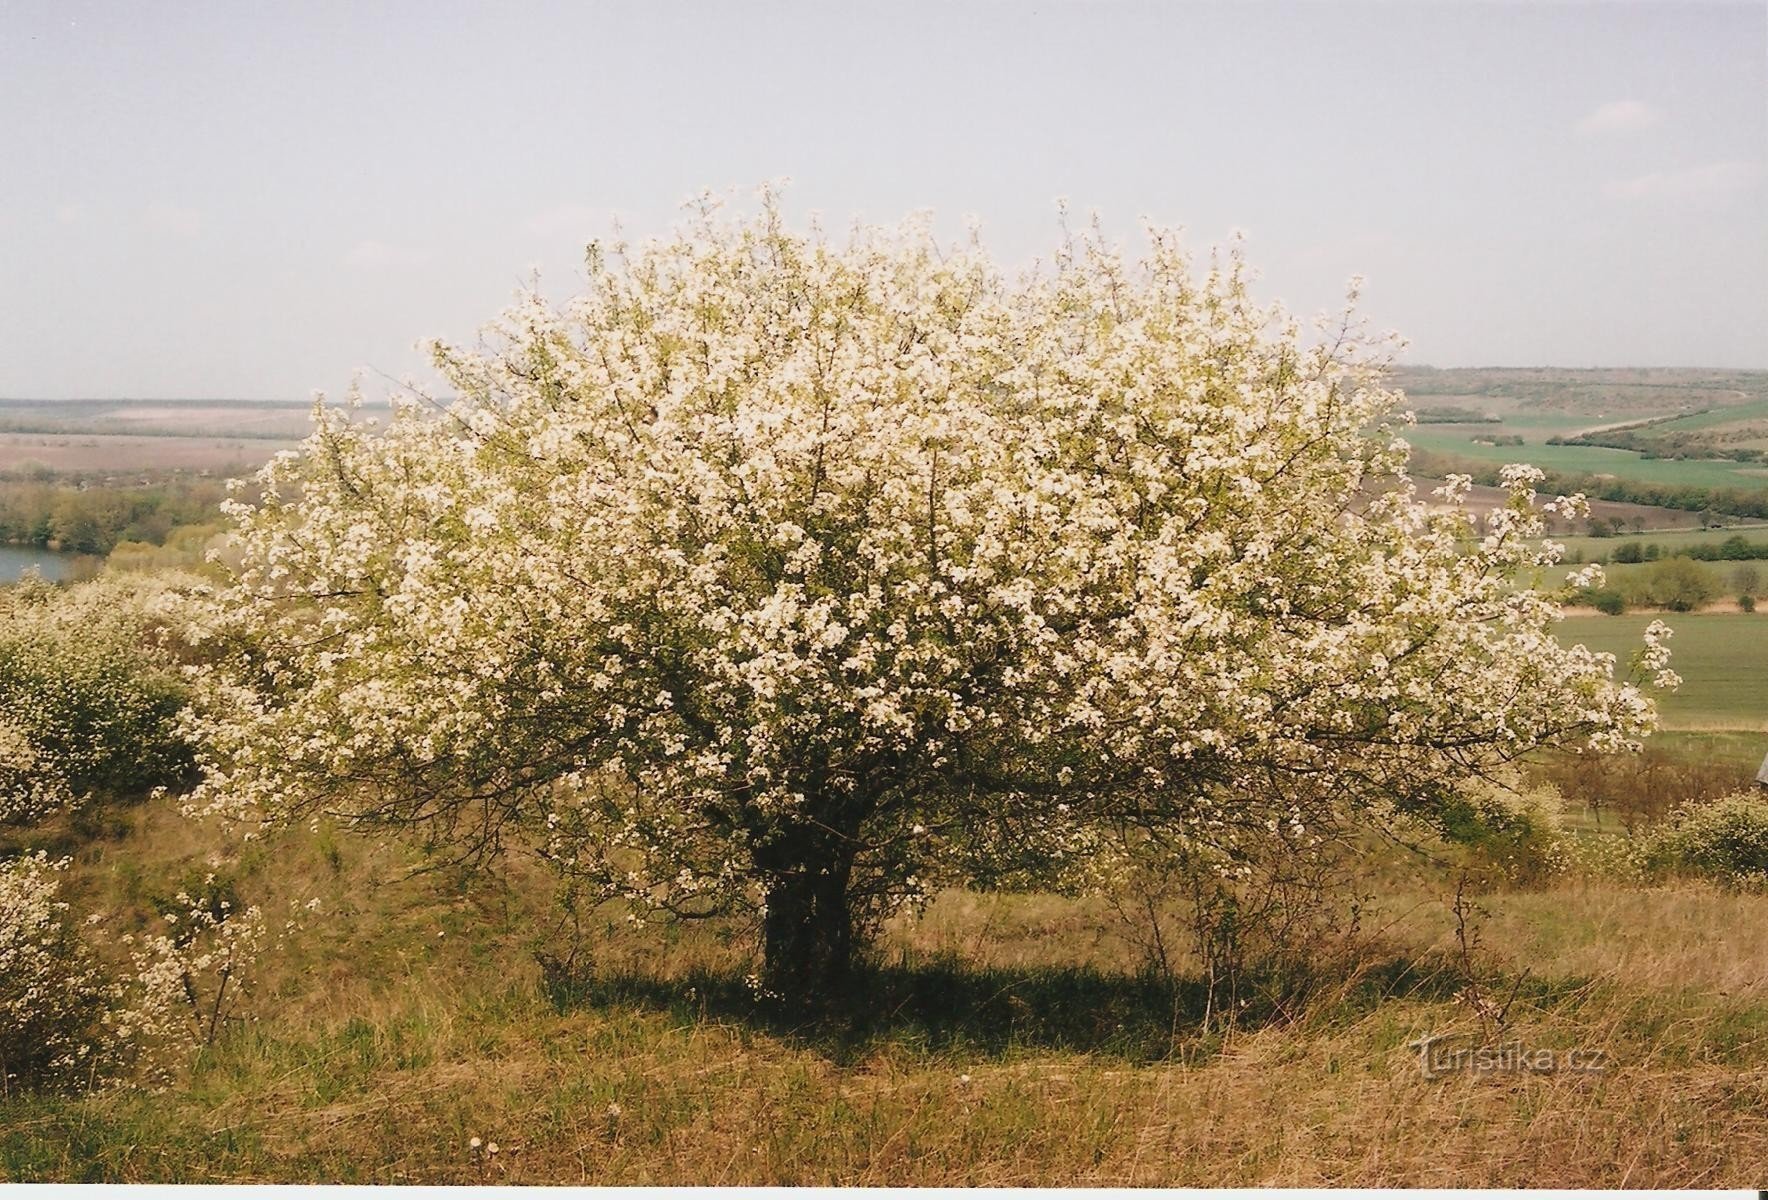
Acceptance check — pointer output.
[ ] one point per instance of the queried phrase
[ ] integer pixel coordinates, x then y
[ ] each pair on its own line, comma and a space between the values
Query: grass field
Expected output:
1722, 658
1541, 404
171, 418
1595, 460
1717, 418
1005, 1040
1670, 541
1581, 397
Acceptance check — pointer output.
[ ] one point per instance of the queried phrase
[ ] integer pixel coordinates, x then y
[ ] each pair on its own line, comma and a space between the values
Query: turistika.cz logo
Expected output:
1436, 1058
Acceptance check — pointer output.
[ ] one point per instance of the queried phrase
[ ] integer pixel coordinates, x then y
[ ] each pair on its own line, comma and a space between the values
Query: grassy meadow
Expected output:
32, 454
1009, 1039
1722, 658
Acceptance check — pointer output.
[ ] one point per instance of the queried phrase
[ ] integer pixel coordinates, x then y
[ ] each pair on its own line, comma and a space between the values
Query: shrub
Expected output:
1746, 602
191, 977
1511, 831
1261, 925
55, 1003
90, 697
1609, 601
73, 1018
1725, 839
1612, 856
1679, 584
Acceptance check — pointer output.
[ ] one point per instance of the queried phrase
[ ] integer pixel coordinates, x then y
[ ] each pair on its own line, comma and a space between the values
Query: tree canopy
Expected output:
794, 575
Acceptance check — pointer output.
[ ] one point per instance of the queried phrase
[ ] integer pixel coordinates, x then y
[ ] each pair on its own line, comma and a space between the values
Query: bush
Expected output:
1725, 839
70, 1018
1679, 585
1610, 856
89, 696
1746, 602
55, 1004
1510, 831
1609, 601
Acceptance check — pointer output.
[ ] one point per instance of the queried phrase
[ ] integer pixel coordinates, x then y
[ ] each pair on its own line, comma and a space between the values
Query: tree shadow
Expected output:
949, 1008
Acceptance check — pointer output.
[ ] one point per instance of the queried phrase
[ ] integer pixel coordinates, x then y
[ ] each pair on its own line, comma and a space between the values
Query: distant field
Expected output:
1719, 417
1722, 658
1650, 517
1670, 541
125, 453
1583, 398
1742, 750
172, 418
1595, 460
1704, 414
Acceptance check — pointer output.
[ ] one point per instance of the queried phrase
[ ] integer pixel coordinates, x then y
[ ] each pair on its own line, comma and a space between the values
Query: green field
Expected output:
1670, 541
1595, 460
1722, 658
1537, 405
1714, 418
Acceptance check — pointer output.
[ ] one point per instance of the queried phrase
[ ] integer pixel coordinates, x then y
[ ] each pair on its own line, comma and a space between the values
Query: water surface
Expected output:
16, 560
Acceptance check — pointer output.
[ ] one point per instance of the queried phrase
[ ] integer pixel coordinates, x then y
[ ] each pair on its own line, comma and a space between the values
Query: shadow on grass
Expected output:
947, 1007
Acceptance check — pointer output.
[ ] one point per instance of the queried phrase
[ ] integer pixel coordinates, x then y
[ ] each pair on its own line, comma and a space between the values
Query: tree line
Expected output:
93, 519
1733, 549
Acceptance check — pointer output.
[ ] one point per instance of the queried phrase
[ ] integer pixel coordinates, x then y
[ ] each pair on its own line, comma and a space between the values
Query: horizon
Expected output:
336, 398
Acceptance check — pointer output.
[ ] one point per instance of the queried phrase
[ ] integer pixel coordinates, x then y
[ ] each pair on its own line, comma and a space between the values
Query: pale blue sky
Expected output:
246, 199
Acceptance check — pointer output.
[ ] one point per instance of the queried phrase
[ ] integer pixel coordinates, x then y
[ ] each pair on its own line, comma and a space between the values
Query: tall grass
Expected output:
999, 1040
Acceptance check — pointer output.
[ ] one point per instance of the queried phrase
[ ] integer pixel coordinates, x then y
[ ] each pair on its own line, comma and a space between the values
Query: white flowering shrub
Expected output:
800, 576
55, 1000
1726, 839
192, 975
73, 1018
89, 698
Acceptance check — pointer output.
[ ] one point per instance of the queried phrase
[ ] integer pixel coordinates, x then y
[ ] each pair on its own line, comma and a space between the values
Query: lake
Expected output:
16, 560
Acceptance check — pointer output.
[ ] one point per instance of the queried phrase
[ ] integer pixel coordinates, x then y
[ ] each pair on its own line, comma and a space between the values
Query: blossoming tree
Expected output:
799, 576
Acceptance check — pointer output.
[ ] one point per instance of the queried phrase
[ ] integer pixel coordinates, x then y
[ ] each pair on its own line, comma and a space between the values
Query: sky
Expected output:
266, 200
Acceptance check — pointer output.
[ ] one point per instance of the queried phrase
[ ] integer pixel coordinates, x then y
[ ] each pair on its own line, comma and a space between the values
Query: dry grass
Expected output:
1006, 1042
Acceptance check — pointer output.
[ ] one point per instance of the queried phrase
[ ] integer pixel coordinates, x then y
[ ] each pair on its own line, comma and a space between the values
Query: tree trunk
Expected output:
807, 933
